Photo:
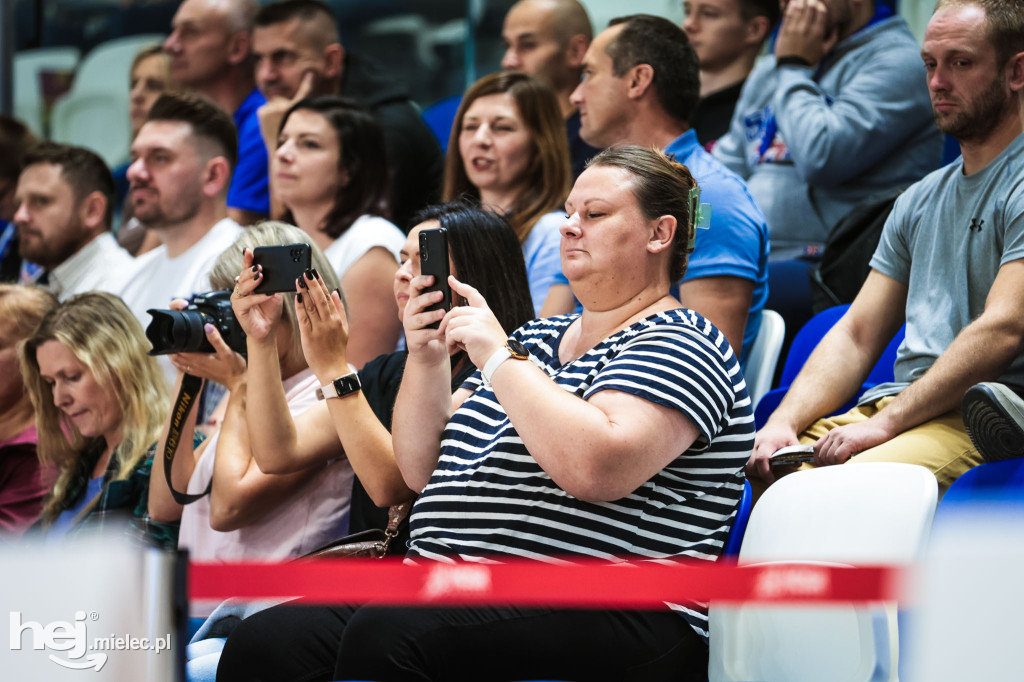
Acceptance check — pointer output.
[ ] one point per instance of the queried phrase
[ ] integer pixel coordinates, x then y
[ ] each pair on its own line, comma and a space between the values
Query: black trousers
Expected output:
386, 644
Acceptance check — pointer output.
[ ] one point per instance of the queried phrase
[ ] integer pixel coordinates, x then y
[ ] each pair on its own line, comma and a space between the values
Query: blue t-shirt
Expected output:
250, 188
736, 244
66, 520
542, 252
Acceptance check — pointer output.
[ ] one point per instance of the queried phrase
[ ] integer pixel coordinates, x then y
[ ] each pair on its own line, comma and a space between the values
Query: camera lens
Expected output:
177, 331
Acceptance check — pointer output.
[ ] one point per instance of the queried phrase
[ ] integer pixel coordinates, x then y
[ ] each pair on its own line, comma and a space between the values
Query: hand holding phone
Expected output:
792, 455
434, 261
282, 265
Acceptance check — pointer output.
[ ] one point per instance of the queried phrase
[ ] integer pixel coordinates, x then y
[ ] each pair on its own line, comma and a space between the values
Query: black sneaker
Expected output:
994, 416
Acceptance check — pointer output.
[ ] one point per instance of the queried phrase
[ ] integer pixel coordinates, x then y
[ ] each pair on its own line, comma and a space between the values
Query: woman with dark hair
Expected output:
330, 174
618, 433
508, 151
482, 249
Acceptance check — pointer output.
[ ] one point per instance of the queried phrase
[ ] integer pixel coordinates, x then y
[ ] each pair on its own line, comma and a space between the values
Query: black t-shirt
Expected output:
713, 114
380, 379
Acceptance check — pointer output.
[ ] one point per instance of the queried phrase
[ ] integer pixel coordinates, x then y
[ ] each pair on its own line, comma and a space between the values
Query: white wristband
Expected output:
497, 357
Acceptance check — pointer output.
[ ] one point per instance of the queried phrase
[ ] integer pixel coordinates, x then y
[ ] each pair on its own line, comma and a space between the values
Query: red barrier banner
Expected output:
531, 583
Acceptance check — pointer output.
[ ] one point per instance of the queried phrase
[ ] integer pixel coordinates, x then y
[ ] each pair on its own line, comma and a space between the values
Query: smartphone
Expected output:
282, 265
434, 261
792, 454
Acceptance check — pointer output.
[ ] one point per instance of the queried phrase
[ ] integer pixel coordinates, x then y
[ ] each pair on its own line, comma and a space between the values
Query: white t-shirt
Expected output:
367, 232
309, 518
157, 279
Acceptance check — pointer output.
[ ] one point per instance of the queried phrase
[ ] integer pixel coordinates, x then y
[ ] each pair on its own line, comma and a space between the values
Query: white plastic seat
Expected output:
854, 514
28, 96
94, 114
764, 355
107, 67
97, 121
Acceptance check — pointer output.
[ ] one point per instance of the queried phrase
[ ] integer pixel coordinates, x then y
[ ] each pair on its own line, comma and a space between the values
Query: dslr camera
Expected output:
181, 331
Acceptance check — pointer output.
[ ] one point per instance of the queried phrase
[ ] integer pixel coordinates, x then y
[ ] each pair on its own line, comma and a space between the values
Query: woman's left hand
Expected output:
224, 365
472, 327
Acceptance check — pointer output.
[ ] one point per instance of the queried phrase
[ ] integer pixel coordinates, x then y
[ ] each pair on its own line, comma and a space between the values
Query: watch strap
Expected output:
497, 357
342, 386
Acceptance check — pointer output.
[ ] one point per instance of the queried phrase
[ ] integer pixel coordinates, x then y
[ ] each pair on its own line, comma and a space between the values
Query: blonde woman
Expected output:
99, 403
249, 514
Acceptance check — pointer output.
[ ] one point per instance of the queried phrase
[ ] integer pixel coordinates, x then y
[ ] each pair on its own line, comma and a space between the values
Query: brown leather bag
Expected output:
368, 544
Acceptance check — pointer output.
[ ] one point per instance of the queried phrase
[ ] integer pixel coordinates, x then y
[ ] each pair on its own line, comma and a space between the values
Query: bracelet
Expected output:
340, 387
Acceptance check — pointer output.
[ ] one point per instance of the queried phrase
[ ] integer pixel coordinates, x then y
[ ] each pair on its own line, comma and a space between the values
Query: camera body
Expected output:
181, 331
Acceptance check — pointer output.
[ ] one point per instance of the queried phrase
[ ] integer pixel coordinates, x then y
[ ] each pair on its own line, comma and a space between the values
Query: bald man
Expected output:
298, 54
210, 47
547, 40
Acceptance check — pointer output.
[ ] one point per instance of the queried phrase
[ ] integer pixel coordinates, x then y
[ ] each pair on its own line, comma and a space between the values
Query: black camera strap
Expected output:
187, 396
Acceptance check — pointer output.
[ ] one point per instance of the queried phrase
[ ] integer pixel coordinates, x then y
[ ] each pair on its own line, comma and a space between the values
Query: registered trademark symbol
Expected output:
93, 615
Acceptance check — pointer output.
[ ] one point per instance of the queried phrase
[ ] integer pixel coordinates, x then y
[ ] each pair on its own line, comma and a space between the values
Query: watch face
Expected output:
517, 349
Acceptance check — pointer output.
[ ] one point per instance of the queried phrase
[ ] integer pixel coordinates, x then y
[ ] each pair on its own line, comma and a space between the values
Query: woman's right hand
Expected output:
425, 342
323, 327
257, 314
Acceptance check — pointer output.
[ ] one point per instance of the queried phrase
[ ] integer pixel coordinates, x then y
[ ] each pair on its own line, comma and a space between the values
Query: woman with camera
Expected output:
618, 433
249, 514
330, 173
99, 402
508, 151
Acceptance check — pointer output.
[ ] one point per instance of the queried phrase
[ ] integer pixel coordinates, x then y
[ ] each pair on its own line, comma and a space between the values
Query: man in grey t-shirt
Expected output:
950, 264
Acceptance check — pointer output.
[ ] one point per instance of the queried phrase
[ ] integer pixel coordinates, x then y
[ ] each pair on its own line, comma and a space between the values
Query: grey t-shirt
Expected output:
946, 239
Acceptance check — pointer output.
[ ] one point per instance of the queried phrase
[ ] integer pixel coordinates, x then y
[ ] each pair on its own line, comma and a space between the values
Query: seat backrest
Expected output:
877, 512
739, 524
992, 481
28, 66
853, 514
811, 334
97, 121
764, 355
107, 67
807, 339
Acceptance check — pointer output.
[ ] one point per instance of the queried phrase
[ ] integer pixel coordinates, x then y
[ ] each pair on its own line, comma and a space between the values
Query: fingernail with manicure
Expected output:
298, 297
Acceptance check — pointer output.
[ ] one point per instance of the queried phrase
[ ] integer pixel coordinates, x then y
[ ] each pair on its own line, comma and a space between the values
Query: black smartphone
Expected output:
282, 265
434, 261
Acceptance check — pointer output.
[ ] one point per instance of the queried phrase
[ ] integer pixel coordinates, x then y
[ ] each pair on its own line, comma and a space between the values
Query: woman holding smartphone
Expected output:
618, 433
509, 151
249, 514
330, 173
483, 249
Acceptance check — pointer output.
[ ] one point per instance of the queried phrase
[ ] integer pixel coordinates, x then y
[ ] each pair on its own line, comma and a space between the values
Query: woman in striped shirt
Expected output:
618, 433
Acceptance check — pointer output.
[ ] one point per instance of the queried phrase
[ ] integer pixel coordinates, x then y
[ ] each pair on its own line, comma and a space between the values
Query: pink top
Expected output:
312, 516
24, 483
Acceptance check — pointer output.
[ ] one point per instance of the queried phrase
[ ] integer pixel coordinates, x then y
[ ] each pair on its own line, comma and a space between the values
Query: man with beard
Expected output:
182, 161
210, 47
836, 115
65, 202
950, 263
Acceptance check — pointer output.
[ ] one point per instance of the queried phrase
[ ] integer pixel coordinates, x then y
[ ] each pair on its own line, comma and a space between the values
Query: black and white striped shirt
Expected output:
488, 498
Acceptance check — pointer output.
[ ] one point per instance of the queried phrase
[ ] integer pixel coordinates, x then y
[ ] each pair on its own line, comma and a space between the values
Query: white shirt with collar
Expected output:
100, 265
